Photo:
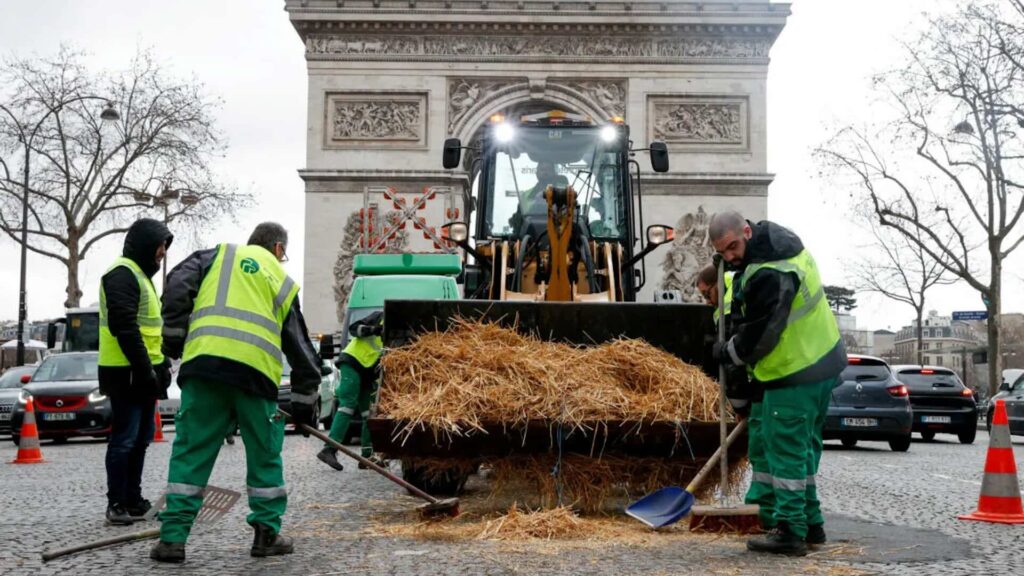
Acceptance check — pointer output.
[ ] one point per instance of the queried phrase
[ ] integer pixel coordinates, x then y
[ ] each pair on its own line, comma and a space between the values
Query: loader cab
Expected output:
568, 153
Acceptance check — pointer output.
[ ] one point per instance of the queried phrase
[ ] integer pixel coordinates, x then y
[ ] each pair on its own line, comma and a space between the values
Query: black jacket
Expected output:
762, 303
183, 284
140, 380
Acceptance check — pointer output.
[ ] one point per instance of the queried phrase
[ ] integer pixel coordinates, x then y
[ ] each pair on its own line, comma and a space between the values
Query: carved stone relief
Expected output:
368, 119
686, 255
574, 47
609, 95
465, 93
700, 121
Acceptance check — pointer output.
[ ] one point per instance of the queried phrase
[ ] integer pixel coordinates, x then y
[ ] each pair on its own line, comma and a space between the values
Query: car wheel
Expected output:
849, 442
967, 435
928, 435
900, 444
16, 439
60, 440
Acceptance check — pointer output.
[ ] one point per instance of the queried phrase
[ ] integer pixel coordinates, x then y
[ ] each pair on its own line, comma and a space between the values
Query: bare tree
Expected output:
902, 271
945, 173
88, 175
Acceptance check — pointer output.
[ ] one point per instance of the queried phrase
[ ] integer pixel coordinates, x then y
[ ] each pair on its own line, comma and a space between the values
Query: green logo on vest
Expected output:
249, 266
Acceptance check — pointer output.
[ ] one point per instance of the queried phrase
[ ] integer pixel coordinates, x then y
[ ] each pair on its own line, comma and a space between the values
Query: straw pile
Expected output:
451, 382
516, 524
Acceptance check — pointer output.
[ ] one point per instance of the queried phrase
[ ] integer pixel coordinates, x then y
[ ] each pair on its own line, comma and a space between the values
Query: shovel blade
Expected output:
663, 507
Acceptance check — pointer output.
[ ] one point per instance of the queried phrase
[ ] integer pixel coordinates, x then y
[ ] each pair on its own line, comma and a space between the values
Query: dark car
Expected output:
67, 400
869, 404
1013, 396
941, 402
11, 382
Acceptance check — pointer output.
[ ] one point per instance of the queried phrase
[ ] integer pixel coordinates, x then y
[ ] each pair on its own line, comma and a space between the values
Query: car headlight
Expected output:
24, 397
96, 396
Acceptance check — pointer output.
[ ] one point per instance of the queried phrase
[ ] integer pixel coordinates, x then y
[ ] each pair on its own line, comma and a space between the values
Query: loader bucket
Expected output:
684, 330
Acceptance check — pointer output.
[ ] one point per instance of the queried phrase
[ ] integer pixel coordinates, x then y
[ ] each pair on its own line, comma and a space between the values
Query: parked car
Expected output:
325, 407
66, 395
941, 402
869, 404
11, 382
1013, 395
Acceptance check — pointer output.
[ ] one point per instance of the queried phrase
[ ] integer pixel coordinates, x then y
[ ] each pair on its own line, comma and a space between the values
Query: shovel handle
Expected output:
120, 539
365, 461
710, 465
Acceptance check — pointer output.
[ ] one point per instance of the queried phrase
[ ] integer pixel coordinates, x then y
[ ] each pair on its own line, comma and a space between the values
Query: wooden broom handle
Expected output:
710, 465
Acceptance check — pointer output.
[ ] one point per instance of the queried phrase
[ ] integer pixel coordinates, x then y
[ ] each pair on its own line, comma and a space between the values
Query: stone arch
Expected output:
520, 94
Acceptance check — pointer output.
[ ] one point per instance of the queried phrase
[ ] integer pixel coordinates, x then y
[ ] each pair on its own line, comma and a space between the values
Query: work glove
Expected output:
302, 413
163, 378
720, 352
144, 379
369, 326
325, 370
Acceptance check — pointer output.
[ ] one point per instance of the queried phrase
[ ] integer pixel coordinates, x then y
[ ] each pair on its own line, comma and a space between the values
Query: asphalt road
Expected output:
888, 513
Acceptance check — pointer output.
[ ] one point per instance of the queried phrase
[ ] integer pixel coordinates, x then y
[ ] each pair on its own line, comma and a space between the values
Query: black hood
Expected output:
771, 242
141, 242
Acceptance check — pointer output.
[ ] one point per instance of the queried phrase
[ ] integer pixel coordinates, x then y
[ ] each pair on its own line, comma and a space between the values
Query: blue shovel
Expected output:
668, 505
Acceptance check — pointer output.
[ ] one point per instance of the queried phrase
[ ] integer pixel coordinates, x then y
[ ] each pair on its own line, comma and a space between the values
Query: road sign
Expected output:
971, 315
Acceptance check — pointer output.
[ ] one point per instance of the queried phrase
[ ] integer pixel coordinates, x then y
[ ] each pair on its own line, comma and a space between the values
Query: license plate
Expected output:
52, 416
936, 419
860, 422
5, 417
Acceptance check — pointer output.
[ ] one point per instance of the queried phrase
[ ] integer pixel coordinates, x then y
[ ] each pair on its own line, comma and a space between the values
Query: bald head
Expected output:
724, 222
729, 233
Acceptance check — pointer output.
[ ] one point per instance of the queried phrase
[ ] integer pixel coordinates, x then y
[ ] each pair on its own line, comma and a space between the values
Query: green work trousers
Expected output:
353, 394
760, 491
208, 409
790, 433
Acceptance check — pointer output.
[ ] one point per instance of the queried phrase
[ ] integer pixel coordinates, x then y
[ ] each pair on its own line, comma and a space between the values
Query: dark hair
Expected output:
708, 275
724, 222
267, 234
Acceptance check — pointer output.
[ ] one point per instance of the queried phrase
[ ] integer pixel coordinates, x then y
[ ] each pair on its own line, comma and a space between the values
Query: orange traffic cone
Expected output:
1000, 493
158, 432
28, 446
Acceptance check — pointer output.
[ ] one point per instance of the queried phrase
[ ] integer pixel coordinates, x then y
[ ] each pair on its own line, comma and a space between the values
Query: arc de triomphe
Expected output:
389, 80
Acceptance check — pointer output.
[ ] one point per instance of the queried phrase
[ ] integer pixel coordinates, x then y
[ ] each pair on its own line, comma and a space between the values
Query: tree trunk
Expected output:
74, 291
995, 359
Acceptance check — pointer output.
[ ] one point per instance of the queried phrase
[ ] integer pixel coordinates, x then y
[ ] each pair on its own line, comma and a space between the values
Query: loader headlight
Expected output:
504, 132
458, 232
658, 234
609, 134
95, 397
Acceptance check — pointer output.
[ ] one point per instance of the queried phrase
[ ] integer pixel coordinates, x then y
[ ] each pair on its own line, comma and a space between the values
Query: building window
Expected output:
926, 360
938, 360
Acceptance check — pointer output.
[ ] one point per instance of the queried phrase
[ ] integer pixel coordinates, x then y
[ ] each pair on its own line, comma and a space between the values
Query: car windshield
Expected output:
535, 158
926, 378
12, 378
66, 367
864, 372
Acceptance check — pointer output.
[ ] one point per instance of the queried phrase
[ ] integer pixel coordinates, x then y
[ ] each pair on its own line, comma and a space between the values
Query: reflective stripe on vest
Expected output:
811, 331
240, 309
728, 296
366, 351
148, 318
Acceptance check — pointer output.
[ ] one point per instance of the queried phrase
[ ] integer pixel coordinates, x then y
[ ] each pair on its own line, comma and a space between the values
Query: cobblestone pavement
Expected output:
887, 513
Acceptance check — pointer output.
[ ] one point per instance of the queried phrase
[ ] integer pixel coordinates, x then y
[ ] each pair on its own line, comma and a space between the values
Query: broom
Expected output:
726, 516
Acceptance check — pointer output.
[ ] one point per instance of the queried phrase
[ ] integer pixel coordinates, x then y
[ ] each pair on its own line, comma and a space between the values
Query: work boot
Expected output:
779, 540
266, 543
168, 552
138, 511
329, 456
118, 515
815, 534
376, 460
230, 439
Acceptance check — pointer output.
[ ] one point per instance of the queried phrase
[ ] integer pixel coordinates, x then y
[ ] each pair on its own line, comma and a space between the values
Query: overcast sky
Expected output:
246, 52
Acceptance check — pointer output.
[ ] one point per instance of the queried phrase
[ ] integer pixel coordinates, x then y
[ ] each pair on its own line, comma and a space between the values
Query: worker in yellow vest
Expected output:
133, 372
231, 313
358, 366
787, 336
738, 388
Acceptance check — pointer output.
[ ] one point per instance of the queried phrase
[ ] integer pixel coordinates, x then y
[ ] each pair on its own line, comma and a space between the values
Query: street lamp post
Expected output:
108, 114
184, 196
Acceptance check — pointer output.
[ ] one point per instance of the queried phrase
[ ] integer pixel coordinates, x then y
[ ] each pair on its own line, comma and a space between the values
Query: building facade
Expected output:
389, 80
945, 342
